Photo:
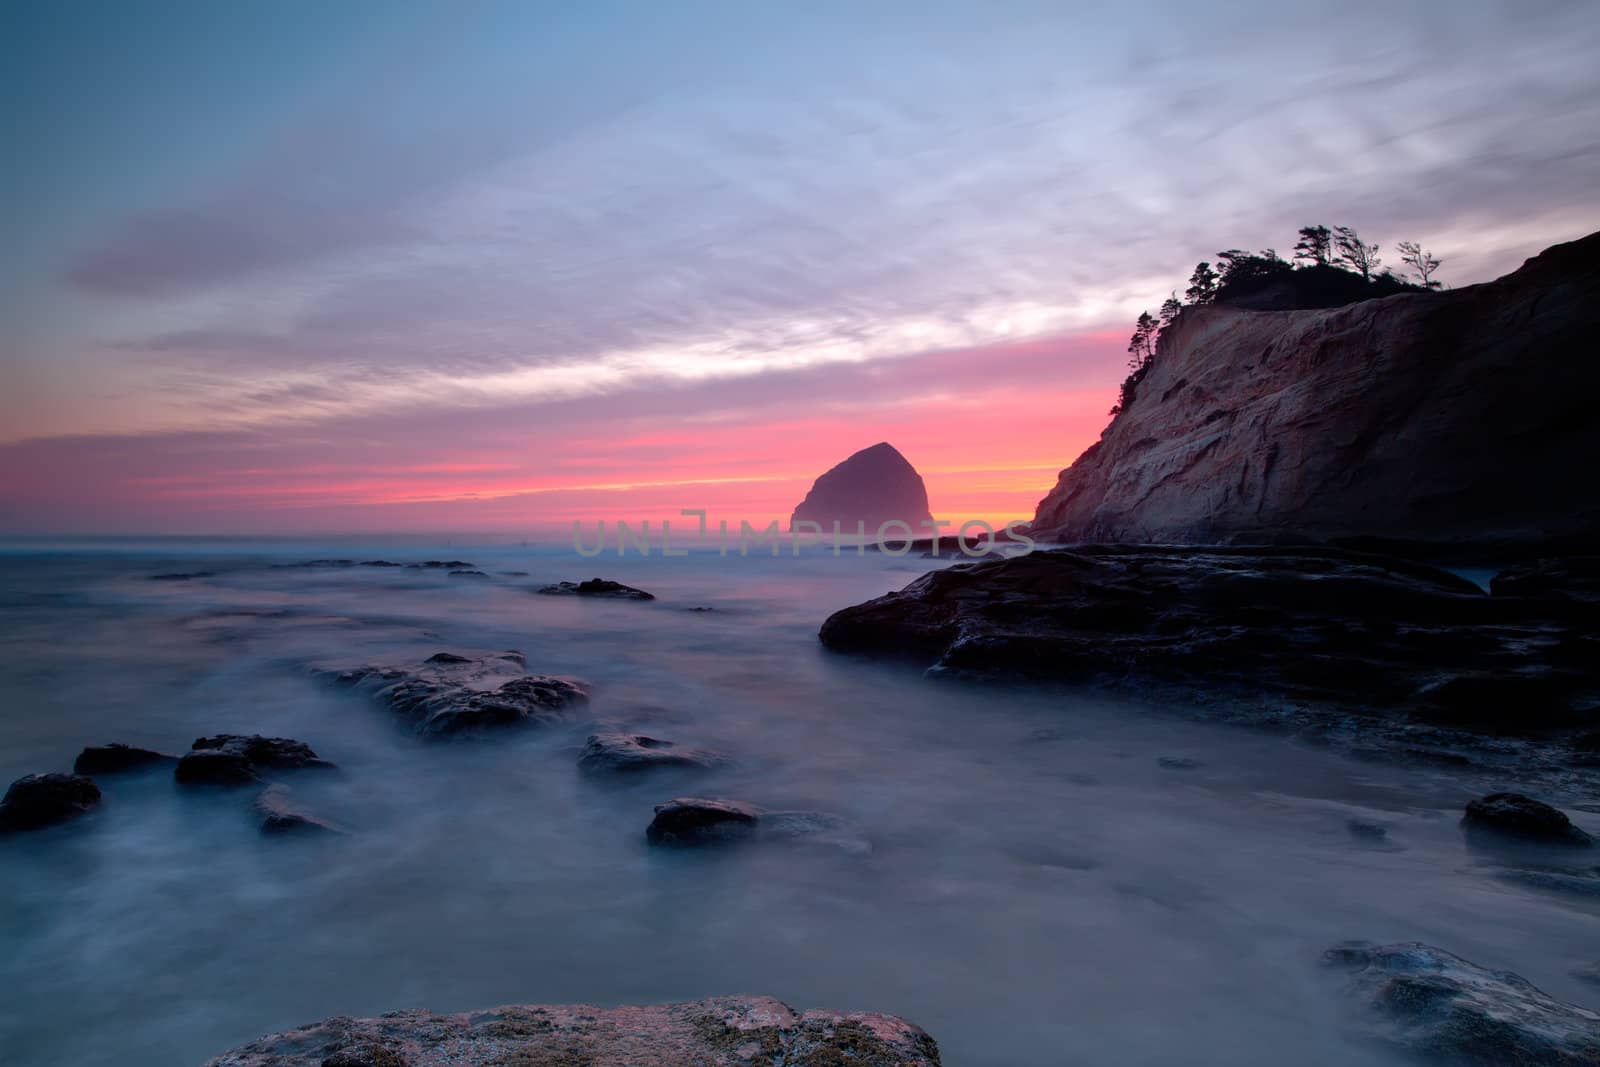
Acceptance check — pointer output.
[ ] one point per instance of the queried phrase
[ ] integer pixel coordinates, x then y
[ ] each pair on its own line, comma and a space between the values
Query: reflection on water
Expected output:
1040, 889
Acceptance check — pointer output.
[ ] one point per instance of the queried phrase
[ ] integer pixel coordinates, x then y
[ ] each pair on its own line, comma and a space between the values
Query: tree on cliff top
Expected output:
1315, 246
1202, 284
1354, 253
1422, 262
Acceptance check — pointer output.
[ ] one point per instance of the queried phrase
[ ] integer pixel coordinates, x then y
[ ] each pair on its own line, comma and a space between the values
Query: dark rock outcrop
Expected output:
238, 759
1512, 816
697, 821
181, 577
1568, 579
597, 587
115, 757
449, 694
35, 801
468, 574
702, 821
279, 815
873, 486
1437, 1006
625, 753
1447, 417
1313, 624
718, 1032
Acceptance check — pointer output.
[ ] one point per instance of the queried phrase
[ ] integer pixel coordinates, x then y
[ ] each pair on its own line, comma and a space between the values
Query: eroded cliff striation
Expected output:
1455, 417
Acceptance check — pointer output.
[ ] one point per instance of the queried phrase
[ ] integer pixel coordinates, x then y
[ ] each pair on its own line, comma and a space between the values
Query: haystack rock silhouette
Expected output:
872, 487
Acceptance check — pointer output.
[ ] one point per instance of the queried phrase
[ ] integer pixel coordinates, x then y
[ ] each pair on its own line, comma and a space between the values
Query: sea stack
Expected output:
873, 486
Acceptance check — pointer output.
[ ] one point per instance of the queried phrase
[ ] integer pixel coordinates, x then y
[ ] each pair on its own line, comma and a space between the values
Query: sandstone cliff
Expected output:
1465, 417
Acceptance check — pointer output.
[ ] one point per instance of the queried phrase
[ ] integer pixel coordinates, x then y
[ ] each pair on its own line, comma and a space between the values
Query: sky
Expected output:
298, 267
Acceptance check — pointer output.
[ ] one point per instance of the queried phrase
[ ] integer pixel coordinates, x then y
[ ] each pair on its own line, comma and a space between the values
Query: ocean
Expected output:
1024, 877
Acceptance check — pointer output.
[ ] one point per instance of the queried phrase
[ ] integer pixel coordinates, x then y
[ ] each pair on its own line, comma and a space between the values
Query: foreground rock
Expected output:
1362, 421
597, 587
700, 821
1316, 624
238, 759
874, 486
719, 1032
39, 800
1512, 816
117, 757
624, 753
279, 815
450, 694
1440, 1007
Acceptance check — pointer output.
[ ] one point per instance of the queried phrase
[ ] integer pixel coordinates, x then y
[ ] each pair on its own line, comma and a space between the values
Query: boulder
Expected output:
1365, 421
702, 821
115, 757
740, 1031
38, 800
597, 587
873, 486
1317, 625
1443, 1009
279, 815
625, 753
450, 694
696, 821
1512, 816
237, 759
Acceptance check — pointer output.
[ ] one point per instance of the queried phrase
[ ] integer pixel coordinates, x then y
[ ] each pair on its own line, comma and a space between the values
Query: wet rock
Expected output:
207, 767
625, 753
236, 759
279, 815
38, 800
115, 757
468, 574
718, 1032
182, 577
702, 821
1322, 627
449, 694
515, 574
1570, 881
696, 821
1571, 579
597, 587
1178, 763
1438, 1006
450, 564
278, 753
1588, 973
379, 563
1512, 816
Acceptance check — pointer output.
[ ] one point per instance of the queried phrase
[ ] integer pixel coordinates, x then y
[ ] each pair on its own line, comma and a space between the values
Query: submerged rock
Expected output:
597, 587
871, 487
1438, 1006
38, 800
182, 577
718, 1032
279, 815
1514, 816
468, 574
1312, 623
450, 694
237, 759
696, 821
702, 821
624, 753
1571, 579
115, 757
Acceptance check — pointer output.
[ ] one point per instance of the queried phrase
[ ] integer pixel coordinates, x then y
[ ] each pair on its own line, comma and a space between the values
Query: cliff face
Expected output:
1465, 416
874, 485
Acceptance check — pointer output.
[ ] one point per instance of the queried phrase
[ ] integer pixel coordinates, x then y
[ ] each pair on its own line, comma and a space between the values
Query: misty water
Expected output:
1039, 888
